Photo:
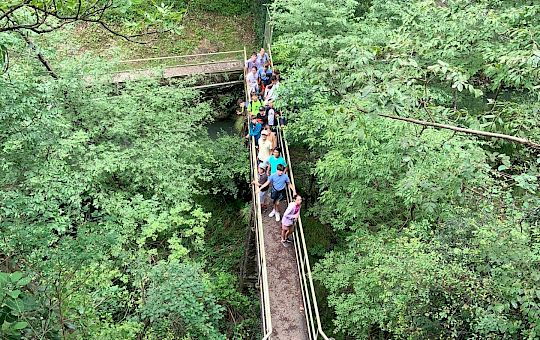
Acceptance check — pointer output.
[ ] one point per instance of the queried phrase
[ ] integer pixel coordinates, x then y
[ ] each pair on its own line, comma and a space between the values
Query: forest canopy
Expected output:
436, 231
114, 216
105, 192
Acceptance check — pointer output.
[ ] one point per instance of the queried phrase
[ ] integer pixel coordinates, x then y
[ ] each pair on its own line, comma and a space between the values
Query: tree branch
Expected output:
12, 9
93, 14
513, 139
40, 56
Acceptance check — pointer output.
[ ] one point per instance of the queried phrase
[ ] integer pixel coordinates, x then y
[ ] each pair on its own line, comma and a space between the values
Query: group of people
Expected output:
262, 83
272, 177
261, 78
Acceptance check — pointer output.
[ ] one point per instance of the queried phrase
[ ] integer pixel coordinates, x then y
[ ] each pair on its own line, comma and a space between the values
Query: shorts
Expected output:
262, 195
278, 195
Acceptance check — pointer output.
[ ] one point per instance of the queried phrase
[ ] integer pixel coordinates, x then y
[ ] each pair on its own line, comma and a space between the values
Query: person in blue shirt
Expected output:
280, 181
252, 62
262, 57
264, 75
255, 128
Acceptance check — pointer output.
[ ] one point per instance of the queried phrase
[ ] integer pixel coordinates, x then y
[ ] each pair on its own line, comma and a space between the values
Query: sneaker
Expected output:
272, 213
285, 244
277, 216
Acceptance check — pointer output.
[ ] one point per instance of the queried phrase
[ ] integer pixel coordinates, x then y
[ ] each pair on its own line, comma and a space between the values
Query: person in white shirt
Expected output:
253, 80
271, 113
271, 95
265, 147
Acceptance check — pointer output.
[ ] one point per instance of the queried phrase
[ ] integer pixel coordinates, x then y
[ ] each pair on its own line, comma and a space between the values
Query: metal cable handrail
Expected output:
142, 64
182, 56
183, 65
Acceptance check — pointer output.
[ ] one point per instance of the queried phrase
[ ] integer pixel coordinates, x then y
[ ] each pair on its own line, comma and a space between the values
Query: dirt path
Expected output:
180, 71
286, 305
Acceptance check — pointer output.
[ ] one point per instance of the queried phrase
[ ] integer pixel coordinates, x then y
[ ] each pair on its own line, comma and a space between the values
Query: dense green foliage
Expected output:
437, 230
98, 208
226, 7
103, 208
126, 19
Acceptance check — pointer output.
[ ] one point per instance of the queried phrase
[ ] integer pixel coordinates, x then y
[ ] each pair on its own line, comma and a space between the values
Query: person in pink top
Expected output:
290, 216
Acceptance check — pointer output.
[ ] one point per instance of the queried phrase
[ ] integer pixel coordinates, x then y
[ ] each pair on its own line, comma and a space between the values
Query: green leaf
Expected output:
24, 281
15, 276
20, 325
14, 293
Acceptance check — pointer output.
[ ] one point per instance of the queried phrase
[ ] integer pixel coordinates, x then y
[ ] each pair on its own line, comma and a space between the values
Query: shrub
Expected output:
224, 7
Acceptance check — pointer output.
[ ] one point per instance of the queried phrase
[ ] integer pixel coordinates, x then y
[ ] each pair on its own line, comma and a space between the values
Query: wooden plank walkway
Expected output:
286, 305
179, 71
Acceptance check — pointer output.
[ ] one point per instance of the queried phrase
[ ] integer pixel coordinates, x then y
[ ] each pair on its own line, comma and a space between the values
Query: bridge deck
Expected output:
286, 305
179, 71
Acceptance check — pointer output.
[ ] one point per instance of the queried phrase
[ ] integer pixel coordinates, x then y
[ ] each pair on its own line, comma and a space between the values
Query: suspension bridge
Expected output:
289, 309
228, 64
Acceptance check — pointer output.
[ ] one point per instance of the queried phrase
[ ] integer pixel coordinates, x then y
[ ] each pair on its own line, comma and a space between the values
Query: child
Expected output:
290, 216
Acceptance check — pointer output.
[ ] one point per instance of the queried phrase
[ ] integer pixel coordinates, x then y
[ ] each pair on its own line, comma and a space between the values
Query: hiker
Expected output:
262, 178
242, 105
271, 95
262, 116
290, 216
275, 161
267, 90
255, 128
277, 74
264, 76
265, 148
252, 61
271, 136
271, 114
280, 181
262, 57
253, 80
254, 104
269, 72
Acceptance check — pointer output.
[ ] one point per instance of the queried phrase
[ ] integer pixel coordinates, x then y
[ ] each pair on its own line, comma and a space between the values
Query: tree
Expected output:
97, 192
127, 19
46, 16
436, 228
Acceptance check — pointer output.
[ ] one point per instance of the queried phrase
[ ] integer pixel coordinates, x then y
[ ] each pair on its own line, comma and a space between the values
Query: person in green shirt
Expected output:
254, 105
